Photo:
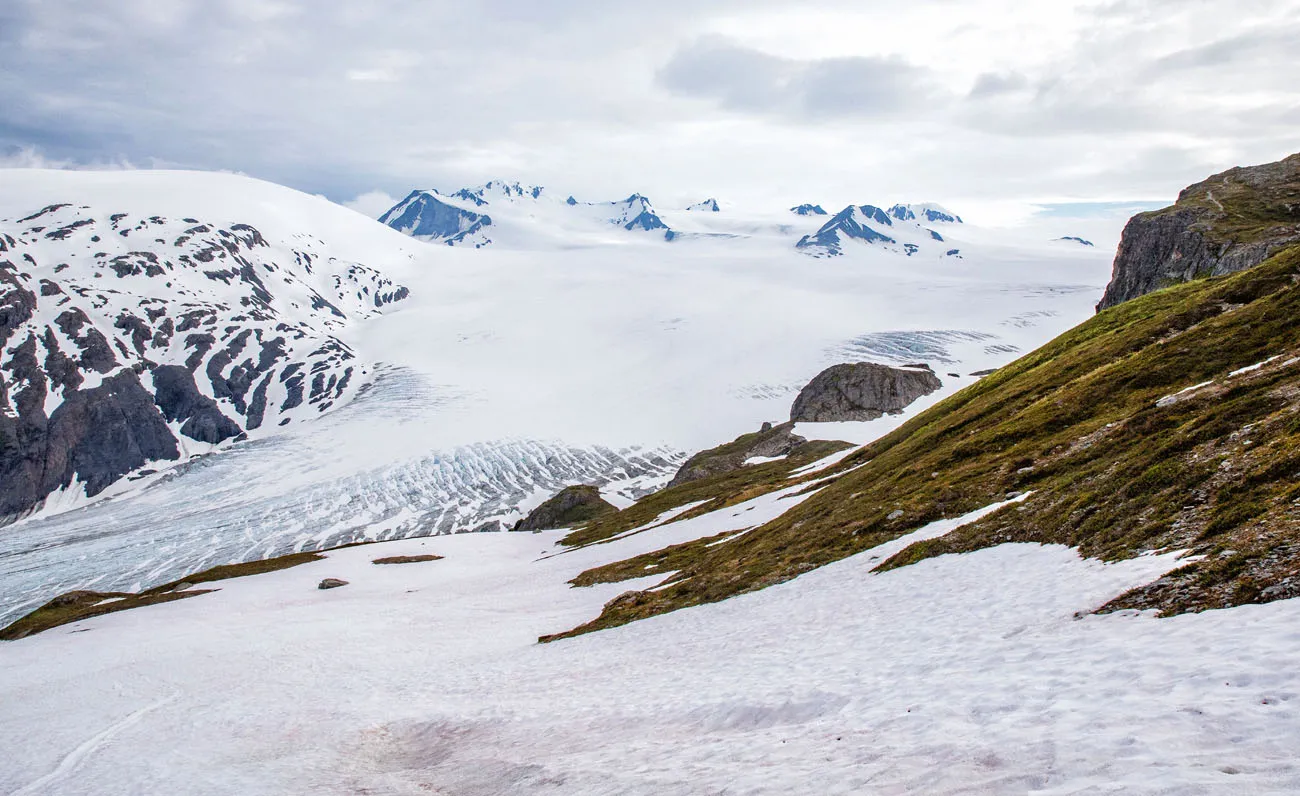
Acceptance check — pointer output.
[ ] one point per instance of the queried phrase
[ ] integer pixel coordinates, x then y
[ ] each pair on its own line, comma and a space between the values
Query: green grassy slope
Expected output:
1214, 470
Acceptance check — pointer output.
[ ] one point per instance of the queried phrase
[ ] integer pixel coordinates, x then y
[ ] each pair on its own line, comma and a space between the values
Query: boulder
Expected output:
769, 442
571, 506
331, 583
862, 391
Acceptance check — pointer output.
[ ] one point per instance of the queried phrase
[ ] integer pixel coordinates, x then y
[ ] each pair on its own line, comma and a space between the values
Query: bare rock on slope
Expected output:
95, 437
1228, 223
770, 442
862, 391
571, 506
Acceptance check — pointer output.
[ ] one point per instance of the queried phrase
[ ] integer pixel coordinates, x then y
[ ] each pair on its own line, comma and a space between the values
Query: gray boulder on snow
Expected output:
862, 391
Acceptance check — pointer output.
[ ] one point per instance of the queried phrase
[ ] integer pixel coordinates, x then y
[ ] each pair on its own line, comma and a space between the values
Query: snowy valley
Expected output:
911, 610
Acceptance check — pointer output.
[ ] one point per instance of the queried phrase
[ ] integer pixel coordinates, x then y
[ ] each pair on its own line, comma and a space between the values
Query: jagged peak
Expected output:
494, 189
708, 205
808, 210
924, 211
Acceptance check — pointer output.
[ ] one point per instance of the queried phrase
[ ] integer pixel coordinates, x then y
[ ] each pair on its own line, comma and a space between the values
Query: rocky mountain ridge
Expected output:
901, 228
1228, 223
131, 338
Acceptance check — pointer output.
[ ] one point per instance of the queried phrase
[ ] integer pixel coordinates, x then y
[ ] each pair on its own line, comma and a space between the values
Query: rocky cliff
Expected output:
1228, 223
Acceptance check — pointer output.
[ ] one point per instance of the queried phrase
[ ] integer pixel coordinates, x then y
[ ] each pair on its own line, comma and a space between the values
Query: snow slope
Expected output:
961, 675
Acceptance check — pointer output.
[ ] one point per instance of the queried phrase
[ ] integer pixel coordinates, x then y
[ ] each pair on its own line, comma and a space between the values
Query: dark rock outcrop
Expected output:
572, 505
1228, 223
95, 436
862, 391
771, 441
331, 583
179, 400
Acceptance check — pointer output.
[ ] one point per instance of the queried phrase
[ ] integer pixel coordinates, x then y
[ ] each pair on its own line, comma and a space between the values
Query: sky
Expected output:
989, 106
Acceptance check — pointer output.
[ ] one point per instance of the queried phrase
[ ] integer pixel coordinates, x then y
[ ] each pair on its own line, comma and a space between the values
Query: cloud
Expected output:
757, 101
744, 79
31, 157
994, 83
372, 203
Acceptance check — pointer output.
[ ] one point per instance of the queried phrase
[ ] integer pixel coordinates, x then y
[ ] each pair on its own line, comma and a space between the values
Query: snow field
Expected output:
959, 675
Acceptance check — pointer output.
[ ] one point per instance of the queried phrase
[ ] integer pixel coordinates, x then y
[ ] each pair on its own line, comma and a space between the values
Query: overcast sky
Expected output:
977, 103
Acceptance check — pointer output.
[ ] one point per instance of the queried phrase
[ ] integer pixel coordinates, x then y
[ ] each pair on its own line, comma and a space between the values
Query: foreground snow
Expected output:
963, 674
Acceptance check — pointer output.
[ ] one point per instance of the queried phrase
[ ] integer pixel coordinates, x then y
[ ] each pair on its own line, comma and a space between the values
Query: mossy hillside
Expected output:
1076, 422
1239, 207
714, 493
78, 605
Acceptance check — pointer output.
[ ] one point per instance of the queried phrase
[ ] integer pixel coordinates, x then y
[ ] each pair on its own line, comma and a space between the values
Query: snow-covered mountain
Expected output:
141, 324
907, 229
632, 213
523, 217
462, 218
426, 215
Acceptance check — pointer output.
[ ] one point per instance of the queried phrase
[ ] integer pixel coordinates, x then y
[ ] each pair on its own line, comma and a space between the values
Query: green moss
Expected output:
406, 559
1241, 211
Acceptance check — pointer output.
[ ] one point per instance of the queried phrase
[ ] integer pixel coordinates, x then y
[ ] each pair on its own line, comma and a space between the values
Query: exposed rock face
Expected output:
179, 399
572, 505
423, 215
1228, 223
769, 442
95, 436
862, 391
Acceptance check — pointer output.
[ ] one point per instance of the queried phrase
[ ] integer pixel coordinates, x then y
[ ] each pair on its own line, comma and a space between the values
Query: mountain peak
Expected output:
708, 205
499, 189
927, 211
808, 210
426, 216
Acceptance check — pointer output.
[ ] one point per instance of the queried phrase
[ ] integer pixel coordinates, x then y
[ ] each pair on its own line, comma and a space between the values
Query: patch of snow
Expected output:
823, 464
1169, 400
1254, 367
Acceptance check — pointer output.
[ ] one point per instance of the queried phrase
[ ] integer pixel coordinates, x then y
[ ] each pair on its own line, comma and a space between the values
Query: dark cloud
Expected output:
1262, 47
745, 79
